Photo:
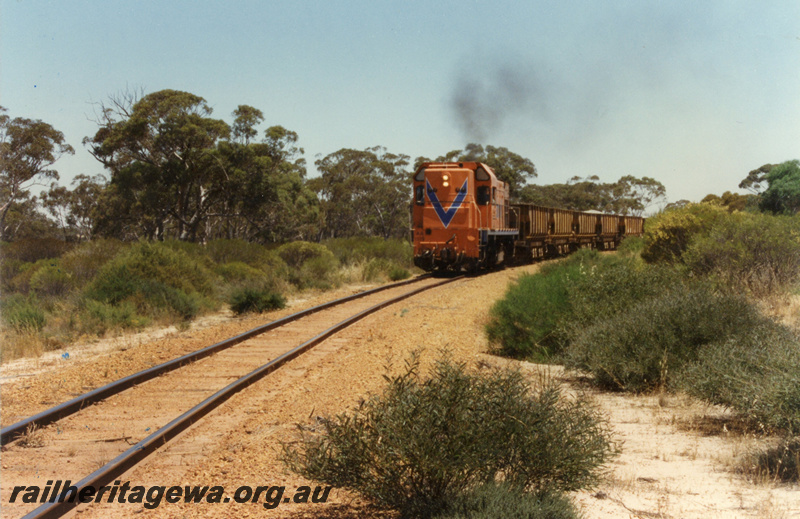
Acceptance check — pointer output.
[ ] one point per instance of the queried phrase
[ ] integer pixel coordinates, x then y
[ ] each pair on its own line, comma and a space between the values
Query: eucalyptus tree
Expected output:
363, 193
28, 149
264, 193
161, 150
756, 180
783, 188
76, 209
628, 195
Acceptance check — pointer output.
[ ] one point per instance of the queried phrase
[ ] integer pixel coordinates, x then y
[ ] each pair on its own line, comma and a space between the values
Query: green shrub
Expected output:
754, 252
22, 313
350, 251
156, 263
376, 269
398, 274
612, 286
645, 346
154, 298
381, 269
156, 279
189, 248
247, 300
227, 251
320, 272
31, 250
85, 261
311, 265
522, 324
755, 372
297, 253
51, 280
668, 234
631, 246
540, 313
237, 271
499, 501
270, 263
96, 317
9, 269
21, 282
423, 443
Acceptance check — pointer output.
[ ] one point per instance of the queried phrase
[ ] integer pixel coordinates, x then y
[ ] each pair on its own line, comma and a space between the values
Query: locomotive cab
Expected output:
460, 217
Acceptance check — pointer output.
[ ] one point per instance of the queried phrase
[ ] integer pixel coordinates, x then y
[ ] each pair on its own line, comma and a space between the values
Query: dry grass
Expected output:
32, 438
21, 344
783, 307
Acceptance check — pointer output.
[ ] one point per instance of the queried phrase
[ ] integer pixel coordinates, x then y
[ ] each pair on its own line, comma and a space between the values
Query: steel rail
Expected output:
152, 443
13, 431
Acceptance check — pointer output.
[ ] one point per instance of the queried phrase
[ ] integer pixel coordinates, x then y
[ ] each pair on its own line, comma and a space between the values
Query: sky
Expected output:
693, 94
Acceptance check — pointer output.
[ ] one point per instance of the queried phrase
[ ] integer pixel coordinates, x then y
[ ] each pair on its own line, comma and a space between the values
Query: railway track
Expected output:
133, 417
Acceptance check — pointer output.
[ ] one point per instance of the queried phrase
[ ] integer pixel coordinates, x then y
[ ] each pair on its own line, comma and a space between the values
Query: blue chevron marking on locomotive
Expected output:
446, 216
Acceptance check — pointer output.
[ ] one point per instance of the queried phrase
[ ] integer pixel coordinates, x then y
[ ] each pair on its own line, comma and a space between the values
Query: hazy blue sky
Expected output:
694, 94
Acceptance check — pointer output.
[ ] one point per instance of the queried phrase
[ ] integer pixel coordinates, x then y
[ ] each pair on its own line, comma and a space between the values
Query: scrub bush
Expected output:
425, 444
96, 317
631, 246
540, 314
350, 251
668, 235
270, 263
645, 346
523, 323
756, 372
612, 286
22, 313
9, 269
321, 272
227, 251
85, 261
51, 280
499, 501
398, 274
21, 280
759, 253
156, 263
297, 253
31, 250
311, 265
380, 269
156, 279
754, 252
255, 300
237, 272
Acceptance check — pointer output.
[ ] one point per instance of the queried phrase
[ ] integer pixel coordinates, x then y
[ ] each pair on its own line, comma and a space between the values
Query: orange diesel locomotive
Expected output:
462, 219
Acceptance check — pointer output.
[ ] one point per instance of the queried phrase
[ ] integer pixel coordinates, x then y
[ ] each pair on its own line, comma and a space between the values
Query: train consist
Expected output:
463, 219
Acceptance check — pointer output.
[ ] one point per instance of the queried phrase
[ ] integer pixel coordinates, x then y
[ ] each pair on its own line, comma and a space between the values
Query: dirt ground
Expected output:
677, 458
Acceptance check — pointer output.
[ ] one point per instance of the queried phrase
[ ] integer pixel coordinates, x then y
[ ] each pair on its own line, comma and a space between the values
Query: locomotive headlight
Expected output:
445, 179
445, 183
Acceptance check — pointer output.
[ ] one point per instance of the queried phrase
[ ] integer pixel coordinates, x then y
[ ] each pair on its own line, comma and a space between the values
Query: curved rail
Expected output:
48, 416
149, 445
